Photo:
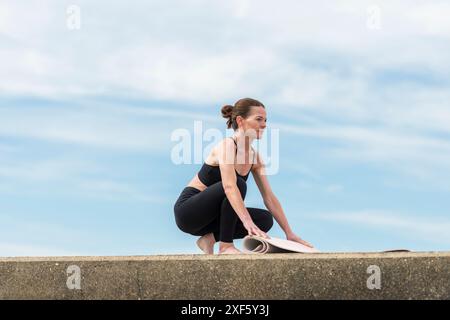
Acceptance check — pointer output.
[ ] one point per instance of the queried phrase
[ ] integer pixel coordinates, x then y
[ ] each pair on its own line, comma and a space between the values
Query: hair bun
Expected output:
227, 111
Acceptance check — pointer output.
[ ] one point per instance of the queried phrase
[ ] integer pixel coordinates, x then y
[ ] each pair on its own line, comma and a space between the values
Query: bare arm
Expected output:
271, 201
273, 205
226, 155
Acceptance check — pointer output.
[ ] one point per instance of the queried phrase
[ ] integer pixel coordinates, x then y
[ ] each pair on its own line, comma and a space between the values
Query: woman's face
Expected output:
255, 123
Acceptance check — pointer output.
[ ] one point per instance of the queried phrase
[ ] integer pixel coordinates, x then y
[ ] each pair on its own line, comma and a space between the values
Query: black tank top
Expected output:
210, 174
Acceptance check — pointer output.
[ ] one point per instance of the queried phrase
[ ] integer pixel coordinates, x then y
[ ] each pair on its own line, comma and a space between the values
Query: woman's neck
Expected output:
243, 140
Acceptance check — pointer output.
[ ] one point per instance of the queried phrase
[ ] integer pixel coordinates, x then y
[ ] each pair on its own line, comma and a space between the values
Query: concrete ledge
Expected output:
412, 275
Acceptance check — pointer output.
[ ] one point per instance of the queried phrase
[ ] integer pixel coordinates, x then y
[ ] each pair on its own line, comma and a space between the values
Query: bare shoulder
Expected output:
224, 147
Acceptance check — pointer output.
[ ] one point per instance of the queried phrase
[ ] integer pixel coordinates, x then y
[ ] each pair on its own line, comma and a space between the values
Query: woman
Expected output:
212, 204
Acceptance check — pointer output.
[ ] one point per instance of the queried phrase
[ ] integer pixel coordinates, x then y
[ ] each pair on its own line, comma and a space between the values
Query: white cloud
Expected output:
424, 157
431, 18
130, 129
21, 235
6, 149
435, 230
388, 90
8, 249
107, 126
71, 175
116, 191
319, 59
322, 60
211, 50
302, 169
334, 188
53, 169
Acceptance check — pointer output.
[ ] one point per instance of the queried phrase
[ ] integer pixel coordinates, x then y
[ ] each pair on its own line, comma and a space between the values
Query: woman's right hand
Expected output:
253, 230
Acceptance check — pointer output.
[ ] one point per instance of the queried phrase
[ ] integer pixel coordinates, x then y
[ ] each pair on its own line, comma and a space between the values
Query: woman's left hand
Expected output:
294, 237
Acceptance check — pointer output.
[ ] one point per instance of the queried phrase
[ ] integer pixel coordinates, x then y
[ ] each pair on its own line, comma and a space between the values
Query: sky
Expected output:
92, 92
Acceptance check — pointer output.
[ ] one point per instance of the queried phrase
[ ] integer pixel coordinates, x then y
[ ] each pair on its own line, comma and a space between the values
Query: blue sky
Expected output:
359, 91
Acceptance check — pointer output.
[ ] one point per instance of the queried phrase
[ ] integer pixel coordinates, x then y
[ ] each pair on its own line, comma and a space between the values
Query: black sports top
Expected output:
210, 174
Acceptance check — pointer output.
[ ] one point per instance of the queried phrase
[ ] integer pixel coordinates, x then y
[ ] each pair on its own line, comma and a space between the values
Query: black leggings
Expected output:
202, 212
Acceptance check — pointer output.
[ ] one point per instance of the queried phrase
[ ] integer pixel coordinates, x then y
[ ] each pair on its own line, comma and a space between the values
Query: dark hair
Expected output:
241, 108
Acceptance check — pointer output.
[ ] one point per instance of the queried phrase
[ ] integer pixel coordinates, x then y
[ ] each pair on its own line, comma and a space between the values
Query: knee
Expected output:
266, 222
182, 222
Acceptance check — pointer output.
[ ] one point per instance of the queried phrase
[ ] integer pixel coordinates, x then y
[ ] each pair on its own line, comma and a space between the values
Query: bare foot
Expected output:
206, 243
230, 250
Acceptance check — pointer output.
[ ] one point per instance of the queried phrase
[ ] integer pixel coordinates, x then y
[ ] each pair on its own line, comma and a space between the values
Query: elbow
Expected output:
233, 187
269, 201
229, 188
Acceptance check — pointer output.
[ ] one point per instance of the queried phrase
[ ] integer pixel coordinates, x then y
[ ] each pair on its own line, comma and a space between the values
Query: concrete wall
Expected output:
271, 276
